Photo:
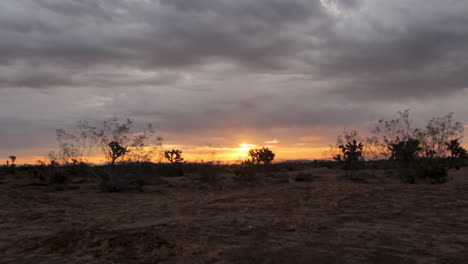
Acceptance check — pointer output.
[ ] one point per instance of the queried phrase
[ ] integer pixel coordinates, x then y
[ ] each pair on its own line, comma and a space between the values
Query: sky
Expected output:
288, 74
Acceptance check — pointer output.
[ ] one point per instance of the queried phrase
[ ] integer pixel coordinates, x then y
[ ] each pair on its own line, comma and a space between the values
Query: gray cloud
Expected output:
205, 65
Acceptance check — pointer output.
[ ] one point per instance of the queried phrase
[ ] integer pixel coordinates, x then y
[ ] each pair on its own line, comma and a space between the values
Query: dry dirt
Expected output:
272, 220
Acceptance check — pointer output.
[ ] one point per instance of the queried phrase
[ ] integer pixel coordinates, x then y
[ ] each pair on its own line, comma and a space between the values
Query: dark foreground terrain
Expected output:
273, 219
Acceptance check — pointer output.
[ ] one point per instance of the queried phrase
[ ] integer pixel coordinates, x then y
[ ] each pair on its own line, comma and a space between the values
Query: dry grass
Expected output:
274, 219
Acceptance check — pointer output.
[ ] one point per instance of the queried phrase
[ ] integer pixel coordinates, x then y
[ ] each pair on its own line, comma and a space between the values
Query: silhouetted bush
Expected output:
116, 179
351, 156
261, 156
434, 174
244, 172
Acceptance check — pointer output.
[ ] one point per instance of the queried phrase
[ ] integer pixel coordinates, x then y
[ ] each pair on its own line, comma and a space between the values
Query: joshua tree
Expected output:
117, 151
263, 155
351, 151
173, 156
351, 156
12, 158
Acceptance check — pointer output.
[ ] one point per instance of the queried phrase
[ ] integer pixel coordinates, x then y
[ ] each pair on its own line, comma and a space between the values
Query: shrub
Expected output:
112, 136
263, 155
13, 159
406, 155
116, 181
434, 174
209, 173
244, 172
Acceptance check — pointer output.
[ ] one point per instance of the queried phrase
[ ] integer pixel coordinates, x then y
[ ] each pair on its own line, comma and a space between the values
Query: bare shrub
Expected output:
140, 146
245, 172
418, 152
434, 173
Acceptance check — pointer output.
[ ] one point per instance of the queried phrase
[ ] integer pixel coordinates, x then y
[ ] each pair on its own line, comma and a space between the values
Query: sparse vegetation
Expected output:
244, 172
351, 148
434, 173
13, 159
174, 156
261, 156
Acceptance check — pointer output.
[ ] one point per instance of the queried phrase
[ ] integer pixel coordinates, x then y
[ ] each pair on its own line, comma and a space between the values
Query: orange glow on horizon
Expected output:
221, 154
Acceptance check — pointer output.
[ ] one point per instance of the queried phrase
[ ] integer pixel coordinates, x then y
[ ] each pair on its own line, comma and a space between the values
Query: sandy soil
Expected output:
273, 220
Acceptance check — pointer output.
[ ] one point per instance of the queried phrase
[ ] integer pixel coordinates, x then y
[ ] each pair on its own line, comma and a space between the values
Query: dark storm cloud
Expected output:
372, 54
201, 64
419, 51
152, 34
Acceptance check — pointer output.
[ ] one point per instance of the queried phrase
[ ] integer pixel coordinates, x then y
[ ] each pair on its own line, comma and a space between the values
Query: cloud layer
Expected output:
203, 68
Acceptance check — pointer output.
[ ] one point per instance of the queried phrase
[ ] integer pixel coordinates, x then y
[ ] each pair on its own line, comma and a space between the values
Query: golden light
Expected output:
246, 147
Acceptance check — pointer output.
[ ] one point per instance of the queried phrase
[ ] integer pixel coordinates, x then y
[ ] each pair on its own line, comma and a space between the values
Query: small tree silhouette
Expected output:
455, 149
456, 152
406, 154
351, 156
263, 155
12, 158
173, 156
352, 152
405, 151
117, 151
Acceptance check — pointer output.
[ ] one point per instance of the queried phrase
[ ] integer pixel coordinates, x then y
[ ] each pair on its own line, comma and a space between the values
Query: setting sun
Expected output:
246, 147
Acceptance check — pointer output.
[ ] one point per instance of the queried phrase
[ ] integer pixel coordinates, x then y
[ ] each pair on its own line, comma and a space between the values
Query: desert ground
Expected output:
272, 219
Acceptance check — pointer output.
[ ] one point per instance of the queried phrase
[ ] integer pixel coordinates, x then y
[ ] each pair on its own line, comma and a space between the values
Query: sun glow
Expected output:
246, 147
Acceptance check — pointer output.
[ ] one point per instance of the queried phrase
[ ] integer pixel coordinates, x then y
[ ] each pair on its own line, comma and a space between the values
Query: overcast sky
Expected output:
224, 71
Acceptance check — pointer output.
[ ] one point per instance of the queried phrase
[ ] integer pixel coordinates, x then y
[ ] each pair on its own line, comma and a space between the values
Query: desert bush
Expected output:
13, 159
405, 154
411, 148
433, 139
117, 178
439, 132
12, 165
434, 174
261, 156
54, 176
245, 172
140, 146
455, 149
457, 152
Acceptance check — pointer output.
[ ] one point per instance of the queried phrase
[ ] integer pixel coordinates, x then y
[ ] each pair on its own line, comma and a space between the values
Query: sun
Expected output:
244, 147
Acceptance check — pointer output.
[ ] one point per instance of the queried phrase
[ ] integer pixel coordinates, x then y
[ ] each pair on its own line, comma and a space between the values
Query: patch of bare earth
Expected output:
275, 220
